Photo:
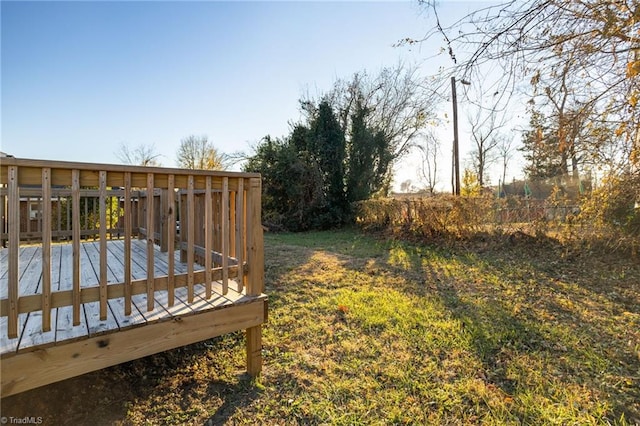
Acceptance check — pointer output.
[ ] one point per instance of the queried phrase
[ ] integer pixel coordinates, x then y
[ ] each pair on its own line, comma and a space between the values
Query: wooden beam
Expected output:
29, 370
254, 350
255, 244
33, 302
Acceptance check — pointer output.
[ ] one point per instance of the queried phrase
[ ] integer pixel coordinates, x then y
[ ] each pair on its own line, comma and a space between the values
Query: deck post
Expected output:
255, 282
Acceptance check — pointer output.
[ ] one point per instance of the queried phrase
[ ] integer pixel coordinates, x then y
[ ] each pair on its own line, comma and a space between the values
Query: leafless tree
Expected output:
486, 118
596, 42
505, 149
141, 155
402, 103
428, 170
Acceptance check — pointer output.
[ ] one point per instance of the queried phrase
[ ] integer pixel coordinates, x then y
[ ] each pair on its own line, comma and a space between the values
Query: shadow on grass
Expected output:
234, 397
115, 395
518, 301
577, 341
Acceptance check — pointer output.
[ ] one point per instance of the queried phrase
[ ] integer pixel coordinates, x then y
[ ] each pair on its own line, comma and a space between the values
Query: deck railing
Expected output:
211, 217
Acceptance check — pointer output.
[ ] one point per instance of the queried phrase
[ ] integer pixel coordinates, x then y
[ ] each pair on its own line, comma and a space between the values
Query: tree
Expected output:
197, 152
369, 158
428, 170
539, 147
470, 184
399, 104
345, 145
141, 155
594, 42
505, 150
293, 188
327, 146
485, 123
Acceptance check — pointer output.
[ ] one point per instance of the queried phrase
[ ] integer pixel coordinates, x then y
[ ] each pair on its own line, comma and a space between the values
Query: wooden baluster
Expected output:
208, 235
46, 249
171, 234
75, 240
225, 235
128, 230
240, 233
14, 248
103, 243
190, 237
150, 245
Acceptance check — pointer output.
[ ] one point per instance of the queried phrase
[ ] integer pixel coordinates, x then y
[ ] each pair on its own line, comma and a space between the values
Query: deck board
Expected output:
138, 272
63, 331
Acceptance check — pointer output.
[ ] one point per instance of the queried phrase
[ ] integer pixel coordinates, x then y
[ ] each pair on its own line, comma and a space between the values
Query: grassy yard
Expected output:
364, 330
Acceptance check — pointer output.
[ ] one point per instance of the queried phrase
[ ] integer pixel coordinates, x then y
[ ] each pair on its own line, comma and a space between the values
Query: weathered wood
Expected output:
66, 327
14, 247
103, 245
190, 236
224, 249
10, 345
34, 334
34, 369
116, 305
139, 274
46, 249
255, 243
29, 271
96, 292
127, 243
253, 337
150, 241
91, 294
31, 170
240, 229
75, 226
208, 236
171, 234
3, 219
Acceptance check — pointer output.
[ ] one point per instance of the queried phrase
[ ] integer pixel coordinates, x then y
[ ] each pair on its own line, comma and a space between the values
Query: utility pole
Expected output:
456, 150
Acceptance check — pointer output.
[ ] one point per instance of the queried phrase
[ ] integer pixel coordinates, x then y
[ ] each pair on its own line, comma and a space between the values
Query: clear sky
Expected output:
81, 78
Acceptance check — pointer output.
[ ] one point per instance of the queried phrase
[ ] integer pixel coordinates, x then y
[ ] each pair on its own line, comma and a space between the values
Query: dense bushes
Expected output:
312, 177
607, 219
613, 211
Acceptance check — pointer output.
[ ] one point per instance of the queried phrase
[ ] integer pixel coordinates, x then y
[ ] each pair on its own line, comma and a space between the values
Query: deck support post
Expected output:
254, 350
255, 282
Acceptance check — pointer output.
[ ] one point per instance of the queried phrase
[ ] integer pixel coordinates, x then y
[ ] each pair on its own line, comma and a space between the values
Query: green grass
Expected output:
364, 330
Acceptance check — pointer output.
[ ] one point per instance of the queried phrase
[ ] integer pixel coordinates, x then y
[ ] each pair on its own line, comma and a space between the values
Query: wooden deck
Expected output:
69, 305
31, 337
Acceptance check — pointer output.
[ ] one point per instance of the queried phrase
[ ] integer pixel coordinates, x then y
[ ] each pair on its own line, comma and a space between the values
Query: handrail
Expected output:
218, 213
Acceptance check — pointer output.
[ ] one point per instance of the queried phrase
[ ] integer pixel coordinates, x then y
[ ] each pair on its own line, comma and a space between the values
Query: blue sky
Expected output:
81, 78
